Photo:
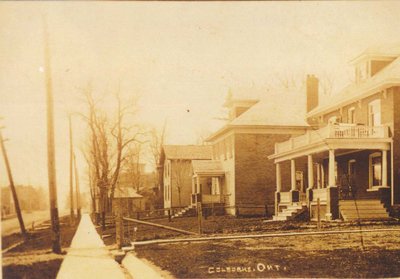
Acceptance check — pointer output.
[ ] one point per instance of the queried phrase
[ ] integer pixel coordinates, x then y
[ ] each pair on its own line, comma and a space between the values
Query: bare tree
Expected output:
157, 138
108, 143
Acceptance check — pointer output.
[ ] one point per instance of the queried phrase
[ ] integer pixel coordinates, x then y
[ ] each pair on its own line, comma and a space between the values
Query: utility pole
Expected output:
14, 192
71, 175
78, 193
51, 160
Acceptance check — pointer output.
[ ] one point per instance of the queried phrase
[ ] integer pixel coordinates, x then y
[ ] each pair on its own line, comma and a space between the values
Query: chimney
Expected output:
312, 92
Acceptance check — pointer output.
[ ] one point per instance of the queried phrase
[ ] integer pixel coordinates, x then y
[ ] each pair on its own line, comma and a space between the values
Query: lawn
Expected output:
33, 258
366, 255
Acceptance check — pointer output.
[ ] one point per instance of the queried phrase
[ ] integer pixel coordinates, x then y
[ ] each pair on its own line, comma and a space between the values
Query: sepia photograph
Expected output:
199, 139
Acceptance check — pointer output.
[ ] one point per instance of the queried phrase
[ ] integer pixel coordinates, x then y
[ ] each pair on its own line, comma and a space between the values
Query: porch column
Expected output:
332, 197
278, 188
331, 181
293, 174
309, 191
318, 175
295, 194
278, 178
310, 172
384, 168
198, 190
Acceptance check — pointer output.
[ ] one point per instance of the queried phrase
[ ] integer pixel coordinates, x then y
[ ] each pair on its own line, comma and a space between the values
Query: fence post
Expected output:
318, 214
199, 217
119, 225
169, 215
137, 215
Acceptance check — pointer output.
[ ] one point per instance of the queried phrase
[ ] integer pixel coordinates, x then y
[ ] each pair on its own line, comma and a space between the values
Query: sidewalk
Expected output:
88, 257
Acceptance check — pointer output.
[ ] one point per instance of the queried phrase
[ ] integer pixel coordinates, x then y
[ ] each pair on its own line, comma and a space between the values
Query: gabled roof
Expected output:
188, 152
207, 167
126, 192
387, 77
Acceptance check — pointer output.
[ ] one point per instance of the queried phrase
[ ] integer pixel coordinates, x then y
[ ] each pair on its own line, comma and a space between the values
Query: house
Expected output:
176, 162
353, 150
240, 176
143, 183
129, 200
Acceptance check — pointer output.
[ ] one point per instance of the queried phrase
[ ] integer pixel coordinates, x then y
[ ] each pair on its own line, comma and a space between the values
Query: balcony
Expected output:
333, 131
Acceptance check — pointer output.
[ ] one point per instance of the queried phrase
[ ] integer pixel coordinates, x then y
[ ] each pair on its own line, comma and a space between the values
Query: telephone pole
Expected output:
51, 160
78, 193
71, 175
13, 191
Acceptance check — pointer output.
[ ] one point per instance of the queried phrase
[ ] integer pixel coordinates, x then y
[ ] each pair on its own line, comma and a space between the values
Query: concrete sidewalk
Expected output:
88, 257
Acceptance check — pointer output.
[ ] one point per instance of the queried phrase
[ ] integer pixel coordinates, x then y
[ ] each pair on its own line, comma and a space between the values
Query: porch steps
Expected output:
187, 211
351, 210
289, 213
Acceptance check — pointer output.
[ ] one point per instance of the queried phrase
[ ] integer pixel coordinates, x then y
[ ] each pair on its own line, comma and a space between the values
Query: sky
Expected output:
178, 59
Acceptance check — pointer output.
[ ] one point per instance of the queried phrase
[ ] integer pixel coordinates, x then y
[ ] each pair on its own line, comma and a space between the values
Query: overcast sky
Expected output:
175, 56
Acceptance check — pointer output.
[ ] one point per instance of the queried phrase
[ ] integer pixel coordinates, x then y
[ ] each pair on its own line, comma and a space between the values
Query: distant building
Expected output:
130, 200
177, 172
30, 199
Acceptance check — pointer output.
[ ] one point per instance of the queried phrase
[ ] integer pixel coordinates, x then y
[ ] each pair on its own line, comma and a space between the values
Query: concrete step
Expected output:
366, 215
363, 209
350, 206
344, 202
280, 218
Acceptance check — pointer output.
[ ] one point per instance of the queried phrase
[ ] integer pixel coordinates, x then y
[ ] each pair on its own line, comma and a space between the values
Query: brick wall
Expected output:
254, 172
361, 109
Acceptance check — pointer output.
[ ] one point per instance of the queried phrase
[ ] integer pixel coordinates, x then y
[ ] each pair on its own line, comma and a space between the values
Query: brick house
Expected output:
353, 151
176, 162
240, 176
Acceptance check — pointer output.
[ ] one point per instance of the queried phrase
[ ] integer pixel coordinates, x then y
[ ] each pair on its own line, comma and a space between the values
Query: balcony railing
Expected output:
333, 131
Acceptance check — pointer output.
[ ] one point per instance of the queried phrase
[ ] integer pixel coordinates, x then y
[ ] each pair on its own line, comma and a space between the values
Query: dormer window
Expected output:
362, 71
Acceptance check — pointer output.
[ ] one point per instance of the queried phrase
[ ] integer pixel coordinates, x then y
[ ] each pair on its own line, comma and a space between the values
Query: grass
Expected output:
303, 256
33, 258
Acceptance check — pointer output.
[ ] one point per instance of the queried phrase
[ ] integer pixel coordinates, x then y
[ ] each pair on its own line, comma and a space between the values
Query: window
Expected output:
375, 169
332, 120
351, 115
299, 181
374, 113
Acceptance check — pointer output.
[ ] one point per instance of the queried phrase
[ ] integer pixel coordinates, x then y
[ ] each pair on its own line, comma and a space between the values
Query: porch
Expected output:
207, 181
343, 162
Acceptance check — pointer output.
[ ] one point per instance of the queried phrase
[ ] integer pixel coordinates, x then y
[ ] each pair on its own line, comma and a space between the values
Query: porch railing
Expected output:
321, 194
333, 131
211, 198
285, 197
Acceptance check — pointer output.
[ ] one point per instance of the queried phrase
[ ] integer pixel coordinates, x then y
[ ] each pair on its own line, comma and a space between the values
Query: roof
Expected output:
207, 167
126, 193
387, 77
280, 108
378, 51
188, 152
